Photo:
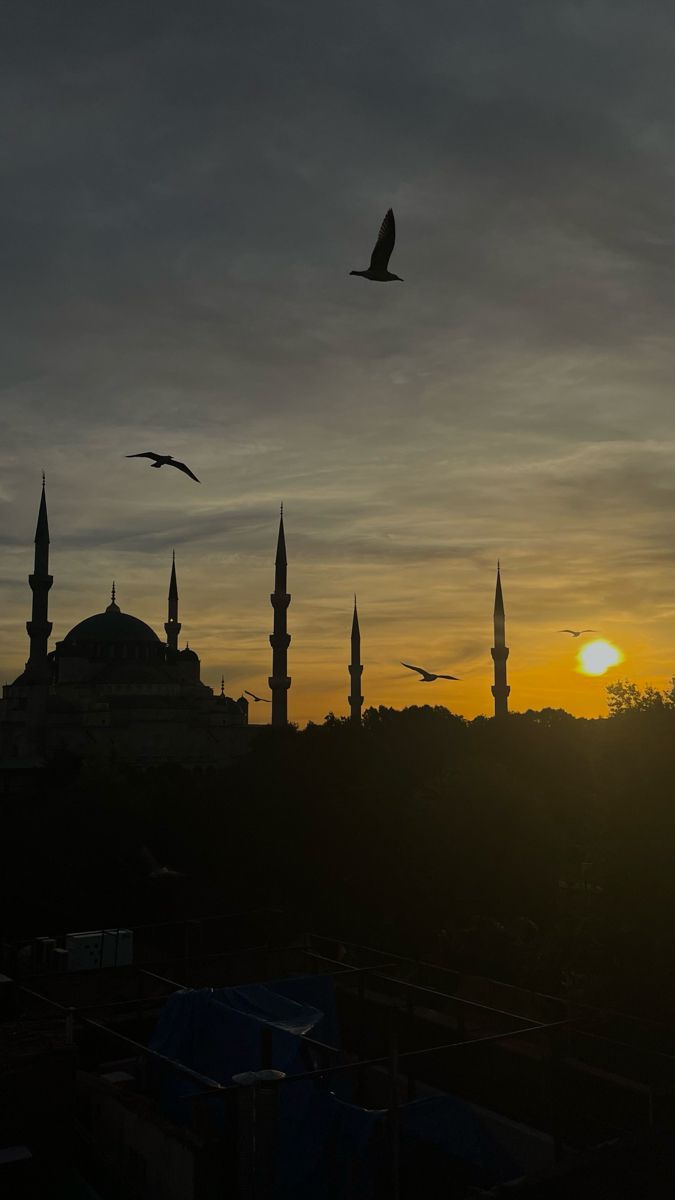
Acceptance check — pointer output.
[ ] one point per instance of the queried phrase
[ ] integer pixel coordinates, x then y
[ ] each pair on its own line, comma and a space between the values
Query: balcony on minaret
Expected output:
40, 580
39, 629
280, 641
172, 630
280, 599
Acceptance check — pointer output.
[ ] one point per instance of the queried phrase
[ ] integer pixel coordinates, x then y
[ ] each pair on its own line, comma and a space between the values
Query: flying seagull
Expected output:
577, 632
427, 676
379, 259
154, 869
257, 698
165, 460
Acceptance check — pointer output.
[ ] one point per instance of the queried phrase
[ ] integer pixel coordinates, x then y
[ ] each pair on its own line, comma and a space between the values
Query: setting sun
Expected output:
597, 657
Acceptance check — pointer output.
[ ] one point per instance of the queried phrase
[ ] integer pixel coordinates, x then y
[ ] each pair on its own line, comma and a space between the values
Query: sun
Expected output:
597, 657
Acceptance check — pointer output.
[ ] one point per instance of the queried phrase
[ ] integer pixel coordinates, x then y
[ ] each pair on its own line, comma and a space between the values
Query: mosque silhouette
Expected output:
112, 690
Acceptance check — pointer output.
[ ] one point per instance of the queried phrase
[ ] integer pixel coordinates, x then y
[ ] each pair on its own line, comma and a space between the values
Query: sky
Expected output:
184, 191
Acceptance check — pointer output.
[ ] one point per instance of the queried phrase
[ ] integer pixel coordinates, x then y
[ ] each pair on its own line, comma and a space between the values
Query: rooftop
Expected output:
538, 1082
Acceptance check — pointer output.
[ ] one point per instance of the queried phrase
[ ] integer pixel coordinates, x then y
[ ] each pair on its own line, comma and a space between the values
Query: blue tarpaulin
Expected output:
339, 1151
219, 1033
319, 992
334, 1153
457, 1132
328, 1148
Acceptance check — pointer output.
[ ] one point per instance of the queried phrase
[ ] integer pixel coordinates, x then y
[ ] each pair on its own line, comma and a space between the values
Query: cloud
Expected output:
184, 193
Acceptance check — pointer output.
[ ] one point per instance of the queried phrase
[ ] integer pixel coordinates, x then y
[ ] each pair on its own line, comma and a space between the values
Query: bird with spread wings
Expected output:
165, 460
155, 871
427, 676
257, 699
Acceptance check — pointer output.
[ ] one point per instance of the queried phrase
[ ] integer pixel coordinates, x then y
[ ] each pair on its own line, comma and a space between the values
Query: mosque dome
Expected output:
111, 626
112, 629
107, 638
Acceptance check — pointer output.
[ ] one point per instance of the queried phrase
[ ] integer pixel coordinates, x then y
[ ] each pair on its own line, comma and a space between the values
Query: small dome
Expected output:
228, 706
111, 626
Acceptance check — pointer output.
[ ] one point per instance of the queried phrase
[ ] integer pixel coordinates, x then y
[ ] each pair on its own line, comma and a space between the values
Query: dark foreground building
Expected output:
234, 1057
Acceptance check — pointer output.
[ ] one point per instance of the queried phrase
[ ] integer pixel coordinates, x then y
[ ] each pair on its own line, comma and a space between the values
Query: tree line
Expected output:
537, 849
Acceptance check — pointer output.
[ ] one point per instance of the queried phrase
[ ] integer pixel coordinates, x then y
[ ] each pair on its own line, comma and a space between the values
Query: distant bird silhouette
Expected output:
379, 259
427, 676
154, 869
165, 460
577, 632
257, 698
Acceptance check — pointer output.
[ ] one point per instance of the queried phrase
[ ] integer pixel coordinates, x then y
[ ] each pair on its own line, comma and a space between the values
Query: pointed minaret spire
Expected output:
279, 680
500, 652
280, 562
39, 627
42, 529
172, 625
355, 670
113, 607
222, 685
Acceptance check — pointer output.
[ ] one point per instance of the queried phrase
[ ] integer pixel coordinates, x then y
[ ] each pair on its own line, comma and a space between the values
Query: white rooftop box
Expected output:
99, 948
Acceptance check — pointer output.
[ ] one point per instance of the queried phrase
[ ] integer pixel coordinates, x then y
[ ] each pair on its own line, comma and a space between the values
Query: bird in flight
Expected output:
427, 676
154, 869
379, 259
257, 698
577, 632
165, 460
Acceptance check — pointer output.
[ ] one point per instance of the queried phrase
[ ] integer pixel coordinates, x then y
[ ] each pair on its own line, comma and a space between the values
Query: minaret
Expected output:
279, 680
500, 653
39, 627
172, 625
355, 670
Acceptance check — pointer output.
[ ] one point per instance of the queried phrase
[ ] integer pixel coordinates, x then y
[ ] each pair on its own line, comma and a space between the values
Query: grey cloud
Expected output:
184, 192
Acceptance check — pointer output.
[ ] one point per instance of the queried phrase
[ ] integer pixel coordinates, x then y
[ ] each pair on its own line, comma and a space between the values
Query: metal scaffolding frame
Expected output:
399, 1071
